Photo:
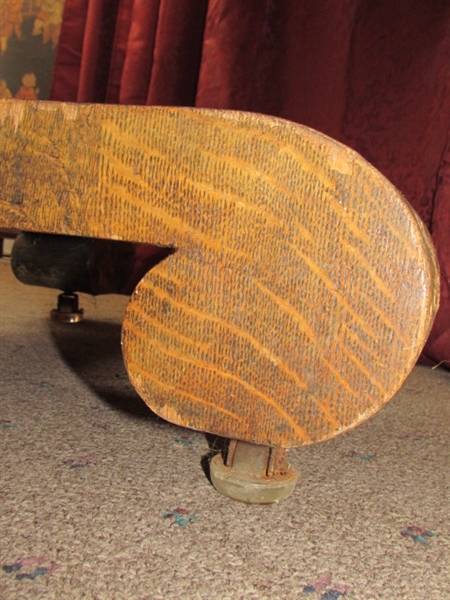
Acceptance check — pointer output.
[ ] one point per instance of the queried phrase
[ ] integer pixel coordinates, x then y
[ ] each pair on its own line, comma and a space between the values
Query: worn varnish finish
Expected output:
303, 286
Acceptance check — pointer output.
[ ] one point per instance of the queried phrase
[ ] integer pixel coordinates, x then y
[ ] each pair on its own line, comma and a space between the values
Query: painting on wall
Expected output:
29, 35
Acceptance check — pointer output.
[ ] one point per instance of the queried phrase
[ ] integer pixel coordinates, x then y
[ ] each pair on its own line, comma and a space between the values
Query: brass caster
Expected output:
253, 474
67, 310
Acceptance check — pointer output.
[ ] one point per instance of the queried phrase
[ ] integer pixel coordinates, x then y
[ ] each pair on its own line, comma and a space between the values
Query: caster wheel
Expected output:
67, 310
253, 474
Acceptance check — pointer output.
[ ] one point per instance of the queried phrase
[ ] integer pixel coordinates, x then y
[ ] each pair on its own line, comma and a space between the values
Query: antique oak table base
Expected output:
299, 285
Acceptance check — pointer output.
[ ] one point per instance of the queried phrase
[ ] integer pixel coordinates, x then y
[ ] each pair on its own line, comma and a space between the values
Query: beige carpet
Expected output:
102, 500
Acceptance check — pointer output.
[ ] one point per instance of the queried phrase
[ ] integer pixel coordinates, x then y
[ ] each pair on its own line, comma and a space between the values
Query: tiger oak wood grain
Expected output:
303, 286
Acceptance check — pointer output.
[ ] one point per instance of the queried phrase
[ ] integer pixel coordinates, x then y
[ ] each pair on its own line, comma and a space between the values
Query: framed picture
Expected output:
29, 35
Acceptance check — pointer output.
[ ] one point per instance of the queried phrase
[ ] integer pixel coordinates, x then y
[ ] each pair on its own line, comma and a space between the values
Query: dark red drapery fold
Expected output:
374, 75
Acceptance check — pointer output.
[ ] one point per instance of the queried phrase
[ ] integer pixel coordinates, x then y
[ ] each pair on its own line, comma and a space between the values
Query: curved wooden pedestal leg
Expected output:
253, 473
299, 285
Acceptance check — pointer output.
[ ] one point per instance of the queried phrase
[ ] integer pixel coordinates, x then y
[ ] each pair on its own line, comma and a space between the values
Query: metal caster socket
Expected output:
67, 310
253, 474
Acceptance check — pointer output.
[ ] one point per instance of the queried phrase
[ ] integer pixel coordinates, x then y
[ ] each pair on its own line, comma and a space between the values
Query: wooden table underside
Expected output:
303, 285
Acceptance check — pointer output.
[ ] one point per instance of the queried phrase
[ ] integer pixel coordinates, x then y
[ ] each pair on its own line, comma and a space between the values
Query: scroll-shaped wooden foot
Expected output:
303, 285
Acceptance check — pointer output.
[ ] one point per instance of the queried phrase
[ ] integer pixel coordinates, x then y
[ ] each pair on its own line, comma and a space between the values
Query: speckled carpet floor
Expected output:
102, 500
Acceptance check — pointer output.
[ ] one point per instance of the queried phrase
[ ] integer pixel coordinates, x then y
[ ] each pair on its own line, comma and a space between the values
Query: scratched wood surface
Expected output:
303, 285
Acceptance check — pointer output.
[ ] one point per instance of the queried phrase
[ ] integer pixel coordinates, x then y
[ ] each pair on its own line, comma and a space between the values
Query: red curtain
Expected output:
374, 75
